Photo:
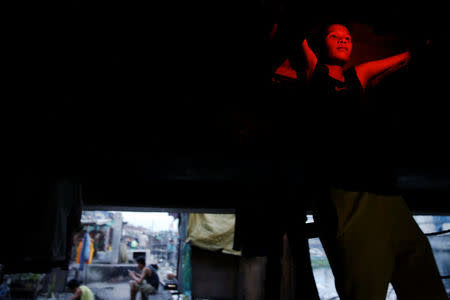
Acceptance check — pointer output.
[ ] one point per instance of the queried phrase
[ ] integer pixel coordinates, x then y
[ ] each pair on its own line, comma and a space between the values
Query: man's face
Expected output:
338, 44
140, 266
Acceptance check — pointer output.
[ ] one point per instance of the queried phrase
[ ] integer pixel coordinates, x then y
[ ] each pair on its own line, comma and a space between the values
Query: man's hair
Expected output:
72, 284
140, 260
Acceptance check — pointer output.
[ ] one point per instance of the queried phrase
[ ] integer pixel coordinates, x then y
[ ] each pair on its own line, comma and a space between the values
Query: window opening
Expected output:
108, 243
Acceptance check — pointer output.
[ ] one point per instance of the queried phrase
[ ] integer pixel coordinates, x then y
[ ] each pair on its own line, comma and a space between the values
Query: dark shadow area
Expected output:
176, 105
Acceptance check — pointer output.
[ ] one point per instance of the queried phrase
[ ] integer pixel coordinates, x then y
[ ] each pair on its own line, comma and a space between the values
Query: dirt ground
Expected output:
118, 291
121, 291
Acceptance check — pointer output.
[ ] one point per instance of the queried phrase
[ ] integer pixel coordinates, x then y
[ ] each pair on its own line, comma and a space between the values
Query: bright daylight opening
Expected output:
108, 243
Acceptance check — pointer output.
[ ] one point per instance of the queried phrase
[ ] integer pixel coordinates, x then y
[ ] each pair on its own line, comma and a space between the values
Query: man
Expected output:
81, 292
146, 282
368, 232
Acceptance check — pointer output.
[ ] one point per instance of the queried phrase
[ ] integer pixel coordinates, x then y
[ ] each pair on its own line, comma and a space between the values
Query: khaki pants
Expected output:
377, 241
146, 289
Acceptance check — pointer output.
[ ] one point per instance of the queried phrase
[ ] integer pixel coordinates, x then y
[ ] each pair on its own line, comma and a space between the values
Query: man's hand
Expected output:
133, 274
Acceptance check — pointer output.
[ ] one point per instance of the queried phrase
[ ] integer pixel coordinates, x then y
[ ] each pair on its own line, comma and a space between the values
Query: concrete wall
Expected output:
107, 272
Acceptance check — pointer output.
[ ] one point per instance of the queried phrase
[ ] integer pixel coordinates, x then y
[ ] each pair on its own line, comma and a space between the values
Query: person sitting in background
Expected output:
81, 292
147, 282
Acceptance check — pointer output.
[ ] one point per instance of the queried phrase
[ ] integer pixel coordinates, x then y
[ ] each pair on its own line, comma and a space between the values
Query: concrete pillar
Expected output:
107, 236
117, 235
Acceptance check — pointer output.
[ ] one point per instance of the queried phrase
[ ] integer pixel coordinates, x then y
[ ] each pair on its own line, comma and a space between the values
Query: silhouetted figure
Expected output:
367, 230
